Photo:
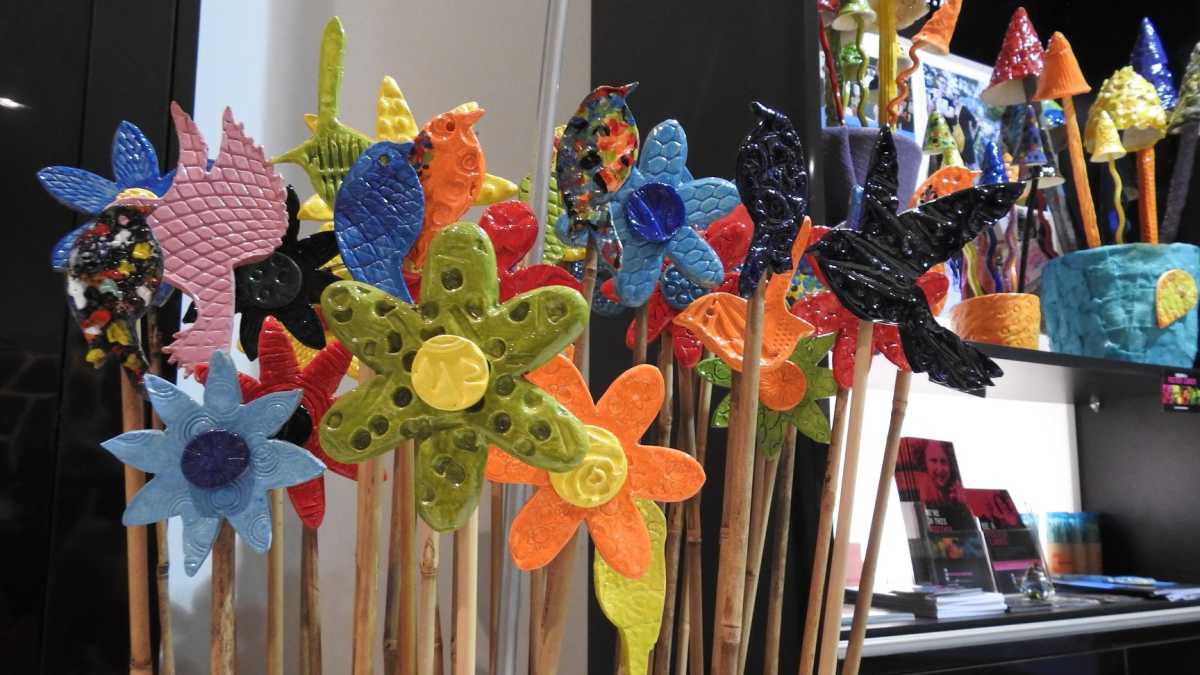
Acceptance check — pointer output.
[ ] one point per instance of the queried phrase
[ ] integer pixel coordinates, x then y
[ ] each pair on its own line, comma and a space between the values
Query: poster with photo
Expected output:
951, 86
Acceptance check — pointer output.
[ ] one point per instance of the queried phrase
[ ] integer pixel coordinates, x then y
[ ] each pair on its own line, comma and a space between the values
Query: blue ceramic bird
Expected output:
135, 167
378, 214
215, 461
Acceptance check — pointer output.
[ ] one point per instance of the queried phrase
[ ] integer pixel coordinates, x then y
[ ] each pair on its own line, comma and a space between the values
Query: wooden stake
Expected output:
816, 585
671, 548
275, 589
137, 565
310, 603
883, 492
366, 559
639, 335
760, 515
439, 646
537, 609
739, 481
366, 567
466, 596
166, 636
559, 575
693, 612
222, 653
400, 613
427, 599
496, 553
783, 511
834, 592
685, 629
583, 343
1147, 197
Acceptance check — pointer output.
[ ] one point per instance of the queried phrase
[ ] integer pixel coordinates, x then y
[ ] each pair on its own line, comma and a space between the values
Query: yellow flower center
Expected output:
136, 193
450, 372
598, 479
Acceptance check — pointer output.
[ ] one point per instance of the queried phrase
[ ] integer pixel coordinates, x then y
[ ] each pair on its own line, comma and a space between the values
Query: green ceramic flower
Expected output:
449, 374
807, 416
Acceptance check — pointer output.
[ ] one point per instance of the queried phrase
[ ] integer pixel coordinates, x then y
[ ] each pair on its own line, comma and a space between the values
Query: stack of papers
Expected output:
938, 602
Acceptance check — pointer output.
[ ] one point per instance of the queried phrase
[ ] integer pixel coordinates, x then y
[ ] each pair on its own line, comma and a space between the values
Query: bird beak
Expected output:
627, 89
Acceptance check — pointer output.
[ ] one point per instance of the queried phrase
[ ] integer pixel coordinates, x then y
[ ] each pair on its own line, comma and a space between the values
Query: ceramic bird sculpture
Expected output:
213, 220
874, 272
596, 153
772, 179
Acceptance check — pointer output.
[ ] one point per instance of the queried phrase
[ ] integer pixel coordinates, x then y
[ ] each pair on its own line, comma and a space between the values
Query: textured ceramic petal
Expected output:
166, 495
369, 420
665, 474
620, 535
542, 527
596, 153
378, 216
694, 258
504, 468
664, 154
530, 425
449, 477
266, 414
146, 450
199, 533
78, 189
278, 464
533, 327
635, 606
134, 160
253, 524
1175, 295
60, 255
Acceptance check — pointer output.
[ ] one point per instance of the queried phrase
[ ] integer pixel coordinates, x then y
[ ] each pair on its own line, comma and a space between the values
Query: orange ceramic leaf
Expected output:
666, 475
782, 388
543, 526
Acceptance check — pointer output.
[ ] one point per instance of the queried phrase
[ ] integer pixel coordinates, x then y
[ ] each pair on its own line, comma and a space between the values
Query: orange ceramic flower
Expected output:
719, 320
616, 469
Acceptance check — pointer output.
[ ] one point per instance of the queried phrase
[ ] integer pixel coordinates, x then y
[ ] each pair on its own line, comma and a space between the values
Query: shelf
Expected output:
1047, 377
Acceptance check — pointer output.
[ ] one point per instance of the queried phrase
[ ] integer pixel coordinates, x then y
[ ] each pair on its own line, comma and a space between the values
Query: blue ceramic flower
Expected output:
134, 164
655, 214
214, 460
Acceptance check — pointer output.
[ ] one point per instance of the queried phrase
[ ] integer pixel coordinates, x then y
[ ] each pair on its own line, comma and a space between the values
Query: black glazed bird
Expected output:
772, 179
286, 285
874, 271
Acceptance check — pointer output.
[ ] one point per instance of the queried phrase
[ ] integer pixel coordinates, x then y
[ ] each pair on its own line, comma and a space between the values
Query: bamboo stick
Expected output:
427, 599
310, 603
466, 596
662, 650
537, 608
275, 589
366, 559
583, 343
816, 585
222, 653
559, 575
685, 630
439, 646
366, 567
887, 60
739, 476
883, 492
400, 618
760, 515
166, 636
695, 536
835, 590
640, 339
783, 511
691, 631
137, 565
495, 573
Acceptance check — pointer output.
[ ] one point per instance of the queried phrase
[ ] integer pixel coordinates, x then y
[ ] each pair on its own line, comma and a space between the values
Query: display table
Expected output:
1128, 635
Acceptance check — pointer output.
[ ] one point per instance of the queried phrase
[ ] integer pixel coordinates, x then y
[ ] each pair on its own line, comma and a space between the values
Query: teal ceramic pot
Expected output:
1100, 302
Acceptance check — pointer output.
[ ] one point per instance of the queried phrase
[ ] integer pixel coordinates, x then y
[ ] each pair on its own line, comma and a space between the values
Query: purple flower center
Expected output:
215, 459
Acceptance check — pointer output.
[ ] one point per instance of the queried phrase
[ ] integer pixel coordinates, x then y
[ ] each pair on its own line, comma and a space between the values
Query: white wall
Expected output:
260, 57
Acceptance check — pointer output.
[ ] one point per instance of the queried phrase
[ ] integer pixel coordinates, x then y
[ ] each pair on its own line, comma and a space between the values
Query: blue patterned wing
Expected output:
134, 161
60, 255
78, 189
707, 199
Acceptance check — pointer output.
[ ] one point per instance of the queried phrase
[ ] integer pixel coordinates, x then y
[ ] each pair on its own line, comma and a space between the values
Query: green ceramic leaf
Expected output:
635, 606
527, 423
328, 154
379, 329
810, 420
820, 384
810, 350
449, 476
714, 370
720, 416
532, 327
554, 249
772, 427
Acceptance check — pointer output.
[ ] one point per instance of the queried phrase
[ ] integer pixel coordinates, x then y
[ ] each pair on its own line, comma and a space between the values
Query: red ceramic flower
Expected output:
280, 371
729, 236
826, 313
616, 469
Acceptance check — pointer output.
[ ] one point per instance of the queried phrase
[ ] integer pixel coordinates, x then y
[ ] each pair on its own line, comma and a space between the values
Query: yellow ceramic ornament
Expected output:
600, 477
635, 606
450, 372
1135, 109
1175, 295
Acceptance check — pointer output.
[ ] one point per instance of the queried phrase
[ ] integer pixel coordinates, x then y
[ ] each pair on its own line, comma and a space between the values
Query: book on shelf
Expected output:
1012, 548
937, 602
1143, 587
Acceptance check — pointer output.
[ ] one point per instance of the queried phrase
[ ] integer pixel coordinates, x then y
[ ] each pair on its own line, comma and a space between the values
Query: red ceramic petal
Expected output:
620, 535
277, 363
543, 526
308, 499
664, 474
730, 237
843, 358
887, 341
512, 227
609, 290
328, 367
688, 349
536, 276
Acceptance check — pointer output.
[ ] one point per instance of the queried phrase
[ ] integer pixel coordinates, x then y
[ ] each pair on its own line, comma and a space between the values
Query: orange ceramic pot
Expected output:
1010, 319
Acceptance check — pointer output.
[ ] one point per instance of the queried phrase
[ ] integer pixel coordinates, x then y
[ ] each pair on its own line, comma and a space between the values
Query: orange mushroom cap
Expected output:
1061, 78
935, 35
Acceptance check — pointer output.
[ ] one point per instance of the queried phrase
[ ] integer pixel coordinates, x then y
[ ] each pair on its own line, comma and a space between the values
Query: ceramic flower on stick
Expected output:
512, 228
604, 491
135, 173
240, 220
806, 415
874, 272
317, 382
772, 179
656, 214
719, 320
215, 461
635, 606
449, 374
596, 154
1136, 111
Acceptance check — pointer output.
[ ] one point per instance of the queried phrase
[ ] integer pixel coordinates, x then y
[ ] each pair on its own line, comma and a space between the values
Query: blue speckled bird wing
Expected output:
134, 161
694, 258
78, 189
60, 255
707, 199
378, 216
